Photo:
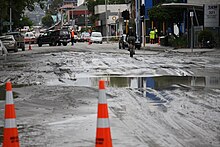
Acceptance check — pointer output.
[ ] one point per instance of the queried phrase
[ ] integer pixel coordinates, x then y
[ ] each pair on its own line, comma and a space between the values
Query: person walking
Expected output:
72, 37
152, 36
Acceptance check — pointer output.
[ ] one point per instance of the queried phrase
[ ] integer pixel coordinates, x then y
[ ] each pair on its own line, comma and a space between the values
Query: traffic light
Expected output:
125, 15
142, 10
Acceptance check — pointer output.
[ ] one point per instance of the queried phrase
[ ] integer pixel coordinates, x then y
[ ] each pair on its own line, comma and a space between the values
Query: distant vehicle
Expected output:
96, 37
9, 42
29, 37
85, 36
122, 42
54, 37
19, 39
3, 50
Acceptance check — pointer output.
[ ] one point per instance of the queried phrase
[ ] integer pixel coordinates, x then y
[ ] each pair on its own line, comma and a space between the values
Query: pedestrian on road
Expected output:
152, 36
72, 36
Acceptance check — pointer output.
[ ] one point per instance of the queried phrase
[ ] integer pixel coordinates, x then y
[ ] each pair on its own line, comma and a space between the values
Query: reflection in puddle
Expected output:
158, 82
150, 87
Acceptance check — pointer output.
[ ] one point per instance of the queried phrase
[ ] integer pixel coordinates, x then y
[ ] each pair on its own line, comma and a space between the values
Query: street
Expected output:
155, 99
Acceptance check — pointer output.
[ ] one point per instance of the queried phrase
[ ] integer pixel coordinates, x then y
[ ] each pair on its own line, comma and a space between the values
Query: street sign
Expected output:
6, 23
211, 16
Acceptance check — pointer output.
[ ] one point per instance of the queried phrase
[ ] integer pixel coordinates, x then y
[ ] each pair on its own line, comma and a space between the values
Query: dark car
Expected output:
54, 37
122, 42
19, 39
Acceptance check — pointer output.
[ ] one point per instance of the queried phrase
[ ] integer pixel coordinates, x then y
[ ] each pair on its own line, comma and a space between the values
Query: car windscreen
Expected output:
97, 35
64, 33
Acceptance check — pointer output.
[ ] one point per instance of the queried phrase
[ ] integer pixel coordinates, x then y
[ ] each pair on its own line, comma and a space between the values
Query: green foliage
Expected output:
18, 7
180, 42
25, 21
160, 13
47, 20
205, 35
114, 39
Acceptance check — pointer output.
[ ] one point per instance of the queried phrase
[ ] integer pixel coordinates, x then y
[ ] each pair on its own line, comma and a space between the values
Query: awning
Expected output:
183, 5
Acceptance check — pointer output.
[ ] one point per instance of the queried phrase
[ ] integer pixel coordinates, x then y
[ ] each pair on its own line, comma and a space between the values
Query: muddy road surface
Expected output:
156, 99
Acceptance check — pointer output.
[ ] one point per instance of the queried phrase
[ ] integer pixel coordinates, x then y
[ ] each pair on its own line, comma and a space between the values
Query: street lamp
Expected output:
10, 17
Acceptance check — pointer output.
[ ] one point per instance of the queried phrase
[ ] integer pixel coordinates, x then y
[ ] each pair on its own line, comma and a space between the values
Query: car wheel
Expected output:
59, 44
123, 46
119, 45
23, 47
64, 44
39, 43
16, 49
54, 43
101, 42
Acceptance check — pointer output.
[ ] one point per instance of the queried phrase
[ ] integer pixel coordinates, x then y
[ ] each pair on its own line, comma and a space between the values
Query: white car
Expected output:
29, 37
96, 37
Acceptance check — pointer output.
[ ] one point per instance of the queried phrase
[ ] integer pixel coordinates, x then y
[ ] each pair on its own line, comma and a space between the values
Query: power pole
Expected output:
138, 19
10, 17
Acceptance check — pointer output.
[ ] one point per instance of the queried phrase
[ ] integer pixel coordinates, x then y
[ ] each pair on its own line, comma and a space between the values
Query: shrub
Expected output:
180, 42
205, 35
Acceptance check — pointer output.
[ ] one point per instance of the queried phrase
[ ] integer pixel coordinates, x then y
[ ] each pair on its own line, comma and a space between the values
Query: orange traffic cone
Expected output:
103, 133
89, 42
30, 46
10, 134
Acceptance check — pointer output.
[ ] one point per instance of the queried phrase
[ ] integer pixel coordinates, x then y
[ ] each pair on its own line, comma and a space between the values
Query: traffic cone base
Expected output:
10, 135
103, 137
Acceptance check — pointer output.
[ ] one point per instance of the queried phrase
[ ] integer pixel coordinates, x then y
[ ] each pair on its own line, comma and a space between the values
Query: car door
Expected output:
46, 38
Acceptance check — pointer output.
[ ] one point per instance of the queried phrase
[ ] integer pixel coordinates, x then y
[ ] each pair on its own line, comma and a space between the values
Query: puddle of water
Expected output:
149, 87
157, 82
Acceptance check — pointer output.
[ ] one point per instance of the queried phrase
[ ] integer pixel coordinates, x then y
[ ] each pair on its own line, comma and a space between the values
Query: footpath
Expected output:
157, 47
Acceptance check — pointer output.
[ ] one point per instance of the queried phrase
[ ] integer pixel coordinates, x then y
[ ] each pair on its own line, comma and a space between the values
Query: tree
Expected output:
168, 15
47, 20
17, 7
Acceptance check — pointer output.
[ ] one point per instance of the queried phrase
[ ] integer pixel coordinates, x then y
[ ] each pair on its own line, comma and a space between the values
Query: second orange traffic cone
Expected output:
103, 132
29, 48
10, 134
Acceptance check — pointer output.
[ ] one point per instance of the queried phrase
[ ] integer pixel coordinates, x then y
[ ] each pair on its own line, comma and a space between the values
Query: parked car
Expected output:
54, 37
29, 37
9, 42
3, 50
85, 36
19, 39
122, 42
96, 37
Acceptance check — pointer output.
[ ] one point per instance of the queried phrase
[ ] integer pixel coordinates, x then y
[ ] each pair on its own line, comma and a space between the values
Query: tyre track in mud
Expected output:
176, 127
